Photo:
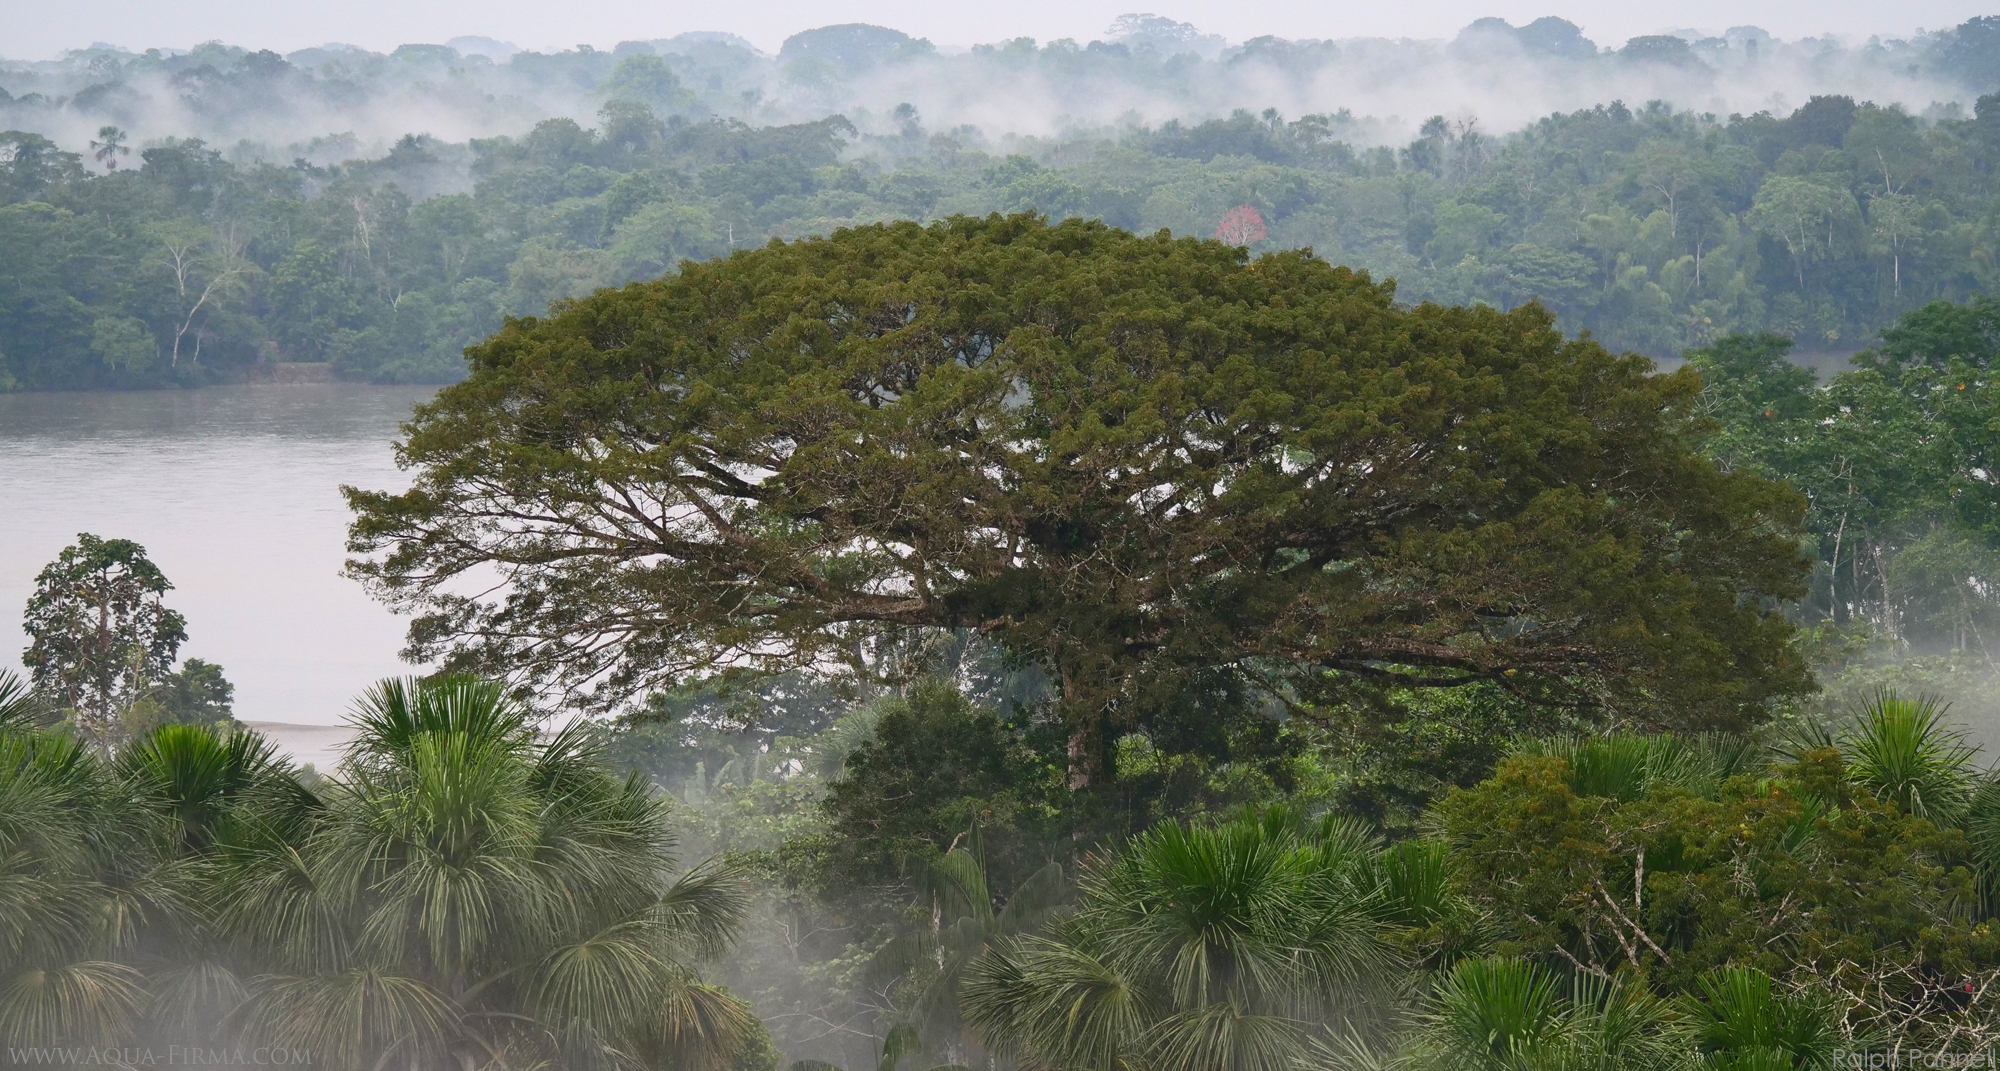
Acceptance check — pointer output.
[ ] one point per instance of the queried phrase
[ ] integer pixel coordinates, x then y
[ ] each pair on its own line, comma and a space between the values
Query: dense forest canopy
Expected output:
151, 242
905, 596
1139, 463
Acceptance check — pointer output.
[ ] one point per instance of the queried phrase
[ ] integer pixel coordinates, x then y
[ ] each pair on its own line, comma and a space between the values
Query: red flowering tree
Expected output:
1242, 226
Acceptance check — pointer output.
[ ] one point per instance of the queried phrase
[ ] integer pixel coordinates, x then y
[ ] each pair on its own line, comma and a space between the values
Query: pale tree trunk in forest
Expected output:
1882, 578
1833, 573
181, 256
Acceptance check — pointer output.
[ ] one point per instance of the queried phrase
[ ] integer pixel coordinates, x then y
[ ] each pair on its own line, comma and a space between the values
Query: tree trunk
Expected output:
1082, 712
1081, 761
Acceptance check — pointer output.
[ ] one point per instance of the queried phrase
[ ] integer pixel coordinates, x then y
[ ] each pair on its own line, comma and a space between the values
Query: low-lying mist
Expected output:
338, 102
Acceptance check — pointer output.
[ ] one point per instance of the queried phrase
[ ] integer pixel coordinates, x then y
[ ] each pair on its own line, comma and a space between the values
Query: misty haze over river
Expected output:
234, 491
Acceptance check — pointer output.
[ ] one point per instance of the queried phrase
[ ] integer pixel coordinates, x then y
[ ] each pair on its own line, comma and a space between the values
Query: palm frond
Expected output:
88, 1001
20, 707
190, 774
1223, 1037
1416, 880
1489, 1013
611, 981
190, 998
901, 1041
704, 909
1906, 752
699, 1028
1032, 901
353, 1020
1055, 1004
957, 882
1739, 1014
395, 713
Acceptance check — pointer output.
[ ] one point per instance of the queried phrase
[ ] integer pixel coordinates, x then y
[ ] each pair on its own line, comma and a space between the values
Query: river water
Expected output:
234, 492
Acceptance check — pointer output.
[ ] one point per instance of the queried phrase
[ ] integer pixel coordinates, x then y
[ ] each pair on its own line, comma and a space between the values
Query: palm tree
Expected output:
1907, 753
109, 146
20, 707
1625, 766
472, 893
1744, 1024
60, 979
1227, 948
931, 962
194, 779
1507, 1014
192, 790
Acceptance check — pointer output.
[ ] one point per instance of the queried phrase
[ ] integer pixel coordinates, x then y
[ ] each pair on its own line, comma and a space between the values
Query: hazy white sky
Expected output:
39, 29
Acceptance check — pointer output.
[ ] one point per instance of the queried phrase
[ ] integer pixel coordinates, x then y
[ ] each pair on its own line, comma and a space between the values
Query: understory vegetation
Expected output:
461, 891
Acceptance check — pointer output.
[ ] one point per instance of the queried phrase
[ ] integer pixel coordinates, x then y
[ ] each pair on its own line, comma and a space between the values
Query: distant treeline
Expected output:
1655, 229
336, 102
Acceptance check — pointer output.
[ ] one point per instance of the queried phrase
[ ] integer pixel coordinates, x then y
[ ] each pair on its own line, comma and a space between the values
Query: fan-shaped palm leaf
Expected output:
190, 998
1055, 1004
698, 1027
191, 774
1906, 752
395, 713
608, 981
20, 707
461, 887
354, 1020
702, 911
1491, 1013
1416, 881
88, 1001
1223, 1037
1742, 1018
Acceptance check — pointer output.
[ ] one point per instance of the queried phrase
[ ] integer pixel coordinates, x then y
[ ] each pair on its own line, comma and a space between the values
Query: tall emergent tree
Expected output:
99, 630
1131, 459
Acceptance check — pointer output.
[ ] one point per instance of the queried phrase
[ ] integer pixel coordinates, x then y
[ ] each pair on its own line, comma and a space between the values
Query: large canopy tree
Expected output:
100, 633
1128, 458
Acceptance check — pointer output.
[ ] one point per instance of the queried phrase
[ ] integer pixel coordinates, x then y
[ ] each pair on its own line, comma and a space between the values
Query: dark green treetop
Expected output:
1126, 458
99, 632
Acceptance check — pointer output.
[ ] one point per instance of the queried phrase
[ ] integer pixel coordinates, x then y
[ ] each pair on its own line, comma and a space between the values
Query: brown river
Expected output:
234, 491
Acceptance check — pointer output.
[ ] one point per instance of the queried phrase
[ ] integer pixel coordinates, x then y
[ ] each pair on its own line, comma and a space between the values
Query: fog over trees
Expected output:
179, 218
1163, 554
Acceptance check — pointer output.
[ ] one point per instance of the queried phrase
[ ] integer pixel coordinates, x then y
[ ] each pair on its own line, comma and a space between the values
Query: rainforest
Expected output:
890, 582
166, 225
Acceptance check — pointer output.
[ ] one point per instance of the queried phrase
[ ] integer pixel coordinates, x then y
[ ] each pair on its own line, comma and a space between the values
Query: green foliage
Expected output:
1906, 753
1392, 755
1744, 1022
1193, 948
930, 964
1627, 766
196, 780
1261, 549
1655, 230
20, 706
459, 885
60, 832
1798, 871
1510, 1014
1891, 458
99, 633
646, 79
195, 694
933, 767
